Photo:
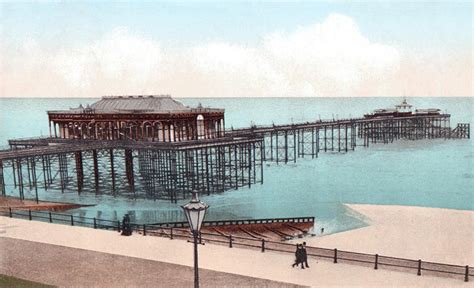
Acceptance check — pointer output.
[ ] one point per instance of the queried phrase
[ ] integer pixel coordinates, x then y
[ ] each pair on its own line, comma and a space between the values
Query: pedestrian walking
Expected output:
304, 255
299, 256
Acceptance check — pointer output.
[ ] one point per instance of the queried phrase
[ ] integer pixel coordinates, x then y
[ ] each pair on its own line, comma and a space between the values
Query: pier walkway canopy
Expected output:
141, 118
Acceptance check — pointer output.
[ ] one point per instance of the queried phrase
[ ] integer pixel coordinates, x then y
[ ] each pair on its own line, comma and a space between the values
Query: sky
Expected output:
236, 49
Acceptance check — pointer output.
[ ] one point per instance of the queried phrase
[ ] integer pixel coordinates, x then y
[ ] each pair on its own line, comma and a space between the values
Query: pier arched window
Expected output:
158, 134
148, 131
69, 130
123, 130
90, 130
200, 127
134, 127
83, 130
172, 132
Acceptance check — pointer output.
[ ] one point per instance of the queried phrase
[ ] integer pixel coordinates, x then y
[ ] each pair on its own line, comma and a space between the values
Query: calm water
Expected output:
432, 173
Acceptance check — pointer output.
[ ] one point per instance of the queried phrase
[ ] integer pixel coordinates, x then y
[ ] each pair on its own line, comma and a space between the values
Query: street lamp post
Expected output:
195, 212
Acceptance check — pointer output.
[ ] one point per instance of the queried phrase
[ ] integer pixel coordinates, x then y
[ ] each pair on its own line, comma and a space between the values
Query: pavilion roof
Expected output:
138, 104
149, 103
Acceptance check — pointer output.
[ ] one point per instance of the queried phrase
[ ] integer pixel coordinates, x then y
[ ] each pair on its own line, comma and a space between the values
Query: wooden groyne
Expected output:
276, 229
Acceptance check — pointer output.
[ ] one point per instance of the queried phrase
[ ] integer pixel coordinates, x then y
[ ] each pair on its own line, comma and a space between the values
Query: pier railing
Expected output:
167, 230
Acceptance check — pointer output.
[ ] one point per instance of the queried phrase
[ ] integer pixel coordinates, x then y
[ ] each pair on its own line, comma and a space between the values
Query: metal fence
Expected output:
374, 261
67, 219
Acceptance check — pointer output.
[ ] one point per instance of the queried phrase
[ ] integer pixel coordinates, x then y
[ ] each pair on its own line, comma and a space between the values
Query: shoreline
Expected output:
355, 207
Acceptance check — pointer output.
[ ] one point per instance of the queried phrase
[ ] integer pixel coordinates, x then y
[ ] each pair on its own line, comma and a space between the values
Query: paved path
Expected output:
66, 267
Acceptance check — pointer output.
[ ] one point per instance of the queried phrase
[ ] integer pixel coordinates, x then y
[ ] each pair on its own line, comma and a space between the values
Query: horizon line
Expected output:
229, 97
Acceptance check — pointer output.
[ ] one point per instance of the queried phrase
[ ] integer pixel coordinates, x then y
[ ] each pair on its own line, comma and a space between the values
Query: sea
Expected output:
429, 173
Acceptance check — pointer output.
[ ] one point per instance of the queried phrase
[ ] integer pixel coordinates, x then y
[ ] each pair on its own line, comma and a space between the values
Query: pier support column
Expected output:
43, 166
49, 176
2, 180
28, 169
338, 138
317, 142
262, 158
251, 163
35, 180
173, 173
79, 171
96, 170
277, 152
271, 146
129, 169
353, 136
295, 147
20, 178
236, 168
14, 173
332, 137
345, 131
368, 130
112, 169
325, 139
206, 160
63, 173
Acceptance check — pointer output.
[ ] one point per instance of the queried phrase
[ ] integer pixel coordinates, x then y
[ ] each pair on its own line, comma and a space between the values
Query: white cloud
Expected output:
331, 58
119, 59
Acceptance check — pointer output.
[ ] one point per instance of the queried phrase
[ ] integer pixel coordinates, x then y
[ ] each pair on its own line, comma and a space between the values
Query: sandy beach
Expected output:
381, 237
430, 234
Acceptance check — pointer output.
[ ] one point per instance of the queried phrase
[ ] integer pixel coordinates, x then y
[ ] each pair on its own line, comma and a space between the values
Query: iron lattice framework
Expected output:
145, 173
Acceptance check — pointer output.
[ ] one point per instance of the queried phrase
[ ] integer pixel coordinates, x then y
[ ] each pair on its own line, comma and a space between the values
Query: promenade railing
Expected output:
179, 230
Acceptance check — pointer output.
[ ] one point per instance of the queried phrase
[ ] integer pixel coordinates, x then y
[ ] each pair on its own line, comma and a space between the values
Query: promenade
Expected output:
106, 253
64, 266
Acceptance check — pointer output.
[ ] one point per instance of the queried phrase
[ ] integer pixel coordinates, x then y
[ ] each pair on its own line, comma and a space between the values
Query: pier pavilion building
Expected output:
141, 118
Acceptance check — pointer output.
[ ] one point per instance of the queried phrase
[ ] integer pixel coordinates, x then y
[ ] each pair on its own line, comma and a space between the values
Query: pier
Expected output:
284, 143
119, 158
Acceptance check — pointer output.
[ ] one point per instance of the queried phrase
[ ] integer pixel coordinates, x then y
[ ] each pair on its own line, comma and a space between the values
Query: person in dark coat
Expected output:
304, 255
126, 227
299, 256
